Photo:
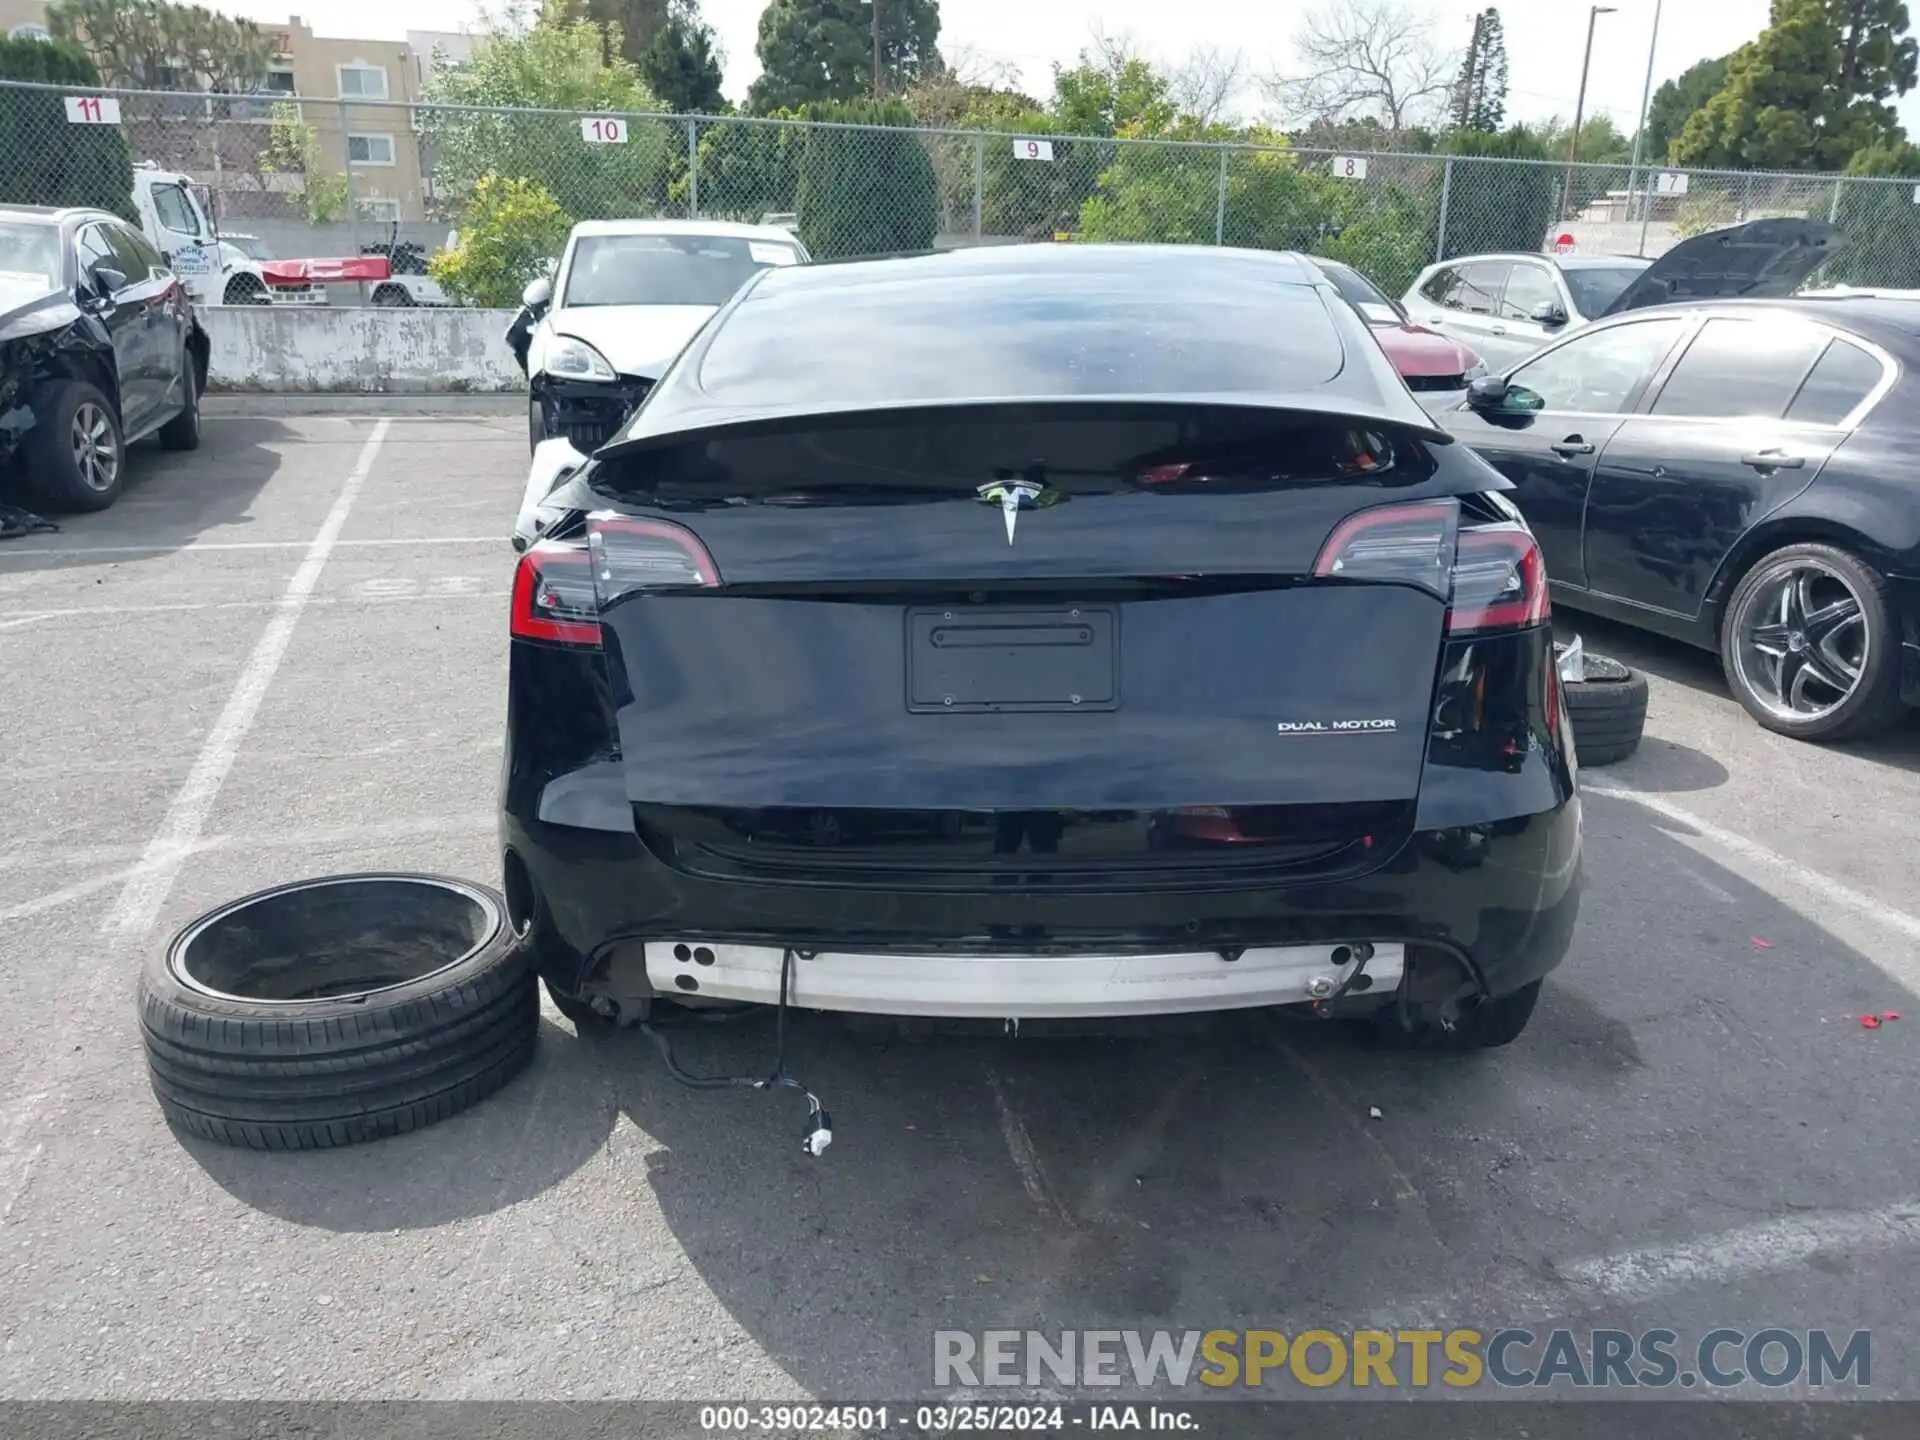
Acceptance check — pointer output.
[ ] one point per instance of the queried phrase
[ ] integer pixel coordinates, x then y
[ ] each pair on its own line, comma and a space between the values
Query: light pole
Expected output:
1594, 12
1640, 131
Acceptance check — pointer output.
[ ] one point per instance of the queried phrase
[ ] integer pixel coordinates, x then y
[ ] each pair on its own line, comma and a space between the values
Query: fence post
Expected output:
1446, 194
1833, 209
353, 207
1220, 203
979, 182
693, 169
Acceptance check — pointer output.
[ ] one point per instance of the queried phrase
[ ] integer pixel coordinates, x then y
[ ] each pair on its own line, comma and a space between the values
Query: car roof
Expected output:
727, 228
1030, 325
1565, 262
46, 214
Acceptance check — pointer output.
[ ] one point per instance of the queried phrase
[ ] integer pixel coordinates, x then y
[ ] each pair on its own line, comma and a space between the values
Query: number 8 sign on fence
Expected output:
1349, 167
603, 130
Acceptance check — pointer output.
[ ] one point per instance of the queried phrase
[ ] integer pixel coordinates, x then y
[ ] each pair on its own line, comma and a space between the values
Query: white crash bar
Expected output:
1012, 986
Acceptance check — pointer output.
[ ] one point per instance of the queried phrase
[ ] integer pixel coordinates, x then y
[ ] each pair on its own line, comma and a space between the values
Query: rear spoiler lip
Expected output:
716, 421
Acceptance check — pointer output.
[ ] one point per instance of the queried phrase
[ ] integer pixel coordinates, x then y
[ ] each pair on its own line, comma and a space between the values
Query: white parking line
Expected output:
194, 547
363, 597
147, 889
1793, 872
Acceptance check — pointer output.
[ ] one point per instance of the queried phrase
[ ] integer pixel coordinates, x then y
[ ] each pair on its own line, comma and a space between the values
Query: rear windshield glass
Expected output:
1594, 290
983, 338
667, 269
1357, 289
29, 260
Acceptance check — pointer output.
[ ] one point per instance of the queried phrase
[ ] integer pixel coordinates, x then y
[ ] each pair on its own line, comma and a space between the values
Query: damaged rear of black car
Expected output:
99, 347
1040, 632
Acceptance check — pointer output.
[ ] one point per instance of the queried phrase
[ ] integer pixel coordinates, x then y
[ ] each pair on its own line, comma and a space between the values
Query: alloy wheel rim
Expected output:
1801, 641
96, 454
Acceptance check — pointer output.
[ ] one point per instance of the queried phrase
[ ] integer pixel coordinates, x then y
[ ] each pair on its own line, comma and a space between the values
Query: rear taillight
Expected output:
1491, 575
1499, 580
562, 585
631, 554
553, 596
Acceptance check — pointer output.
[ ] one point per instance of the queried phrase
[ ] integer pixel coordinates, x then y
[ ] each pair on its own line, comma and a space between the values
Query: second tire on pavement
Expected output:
1607, 709
332, 1011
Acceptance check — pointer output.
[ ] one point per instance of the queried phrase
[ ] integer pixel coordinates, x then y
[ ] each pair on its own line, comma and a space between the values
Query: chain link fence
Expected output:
323, 177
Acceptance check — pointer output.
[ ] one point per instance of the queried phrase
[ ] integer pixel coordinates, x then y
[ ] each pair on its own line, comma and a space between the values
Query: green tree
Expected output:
157, 45
1676, 100
511, 229
556, 65
43, 159
627, 27
819, 50
1809, 92
747, 169
1601, 142
1479, 98
682, 64
1876, 215
866, 192
293, 148
1499, 207
1110, 94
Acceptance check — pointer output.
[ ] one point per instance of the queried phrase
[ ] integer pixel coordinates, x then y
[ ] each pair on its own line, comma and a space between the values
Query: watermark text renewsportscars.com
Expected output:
1199, 1361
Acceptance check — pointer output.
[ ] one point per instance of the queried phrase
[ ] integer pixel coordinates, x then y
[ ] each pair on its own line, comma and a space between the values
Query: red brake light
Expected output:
1499, 580
1492, 576
553, 596
630, 553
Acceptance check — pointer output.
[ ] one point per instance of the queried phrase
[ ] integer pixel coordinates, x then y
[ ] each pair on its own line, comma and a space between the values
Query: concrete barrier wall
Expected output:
359, 351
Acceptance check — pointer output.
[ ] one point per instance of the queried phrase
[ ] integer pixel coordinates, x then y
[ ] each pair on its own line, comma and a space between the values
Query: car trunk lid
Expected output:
1762, 259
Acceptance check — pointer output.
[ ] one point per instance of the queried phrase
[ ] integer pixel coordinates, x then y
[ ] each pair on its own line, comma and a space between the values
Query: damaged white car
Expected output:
626, 298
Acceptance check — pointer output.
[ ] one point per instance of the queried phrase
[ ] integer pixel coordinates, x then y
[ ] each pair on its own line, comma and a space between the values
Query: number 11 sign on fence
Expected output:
92, 110
603, 130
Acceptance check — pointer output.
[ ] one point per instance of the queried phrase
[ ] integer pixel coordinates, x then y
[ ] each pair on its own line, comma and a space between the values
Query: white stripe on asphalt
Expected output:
1777, 867
503, 540
147, 889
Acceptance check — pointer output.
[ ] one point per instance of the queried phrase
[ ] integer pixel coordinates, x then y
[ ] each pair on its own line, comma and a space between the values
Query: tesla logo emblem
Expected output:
1013, 496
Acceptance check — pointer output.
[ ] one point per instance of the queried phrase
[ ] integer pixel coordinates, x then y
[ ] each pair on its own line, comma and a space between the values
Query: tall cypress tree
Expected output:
1479, 99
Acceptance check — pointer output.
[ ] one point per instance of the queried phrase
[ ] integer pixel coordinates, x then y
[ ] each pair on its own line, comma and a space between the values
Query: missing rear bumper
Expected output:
1064, 986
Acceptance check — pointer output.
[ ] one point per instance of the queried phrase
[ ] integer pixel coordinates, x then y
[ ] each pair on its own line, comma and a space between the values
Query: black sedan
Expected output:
99, 347
1016, 633
1739, 475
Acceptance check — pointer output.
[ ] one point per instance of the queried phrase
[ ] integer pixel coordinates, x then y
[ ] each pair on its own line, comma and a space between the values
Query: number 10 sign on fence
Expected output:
603, 130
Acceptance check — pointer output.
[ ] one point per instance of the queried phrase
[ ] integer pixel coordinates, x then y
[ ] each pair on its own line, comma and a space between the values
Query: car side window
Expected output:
94, 252
170, 205
1528, 288
1741, 368
1841, 378
133, 256
1595, 373
1443, 288
1480, 289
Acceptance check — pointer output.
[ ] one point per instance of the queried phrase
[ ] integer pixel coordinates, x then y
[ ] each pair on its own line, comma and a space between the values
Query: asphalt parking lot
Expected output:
285, 655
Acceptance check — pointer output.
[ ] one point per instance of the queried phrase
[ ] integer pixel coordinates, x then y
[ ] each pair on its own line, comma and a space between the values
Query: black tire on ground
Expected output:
183, 431
54, 450
1485, 1025
333, 1011
1875, 701
244, 289
396, 295
536, 423
1607, 710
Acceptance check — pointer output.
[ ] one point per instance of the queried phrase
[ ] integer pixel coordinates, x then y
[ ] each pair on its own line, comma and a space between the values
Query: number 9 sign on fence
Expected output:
1033, 149
1349, 167
603, 130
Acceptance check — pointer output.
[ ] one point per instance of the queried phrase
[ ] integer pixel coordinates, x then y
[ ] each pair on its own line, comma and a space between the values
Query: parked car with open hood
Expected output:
1508, 306
99, 346
1437, 368
932, 643
627, 296
1738, 475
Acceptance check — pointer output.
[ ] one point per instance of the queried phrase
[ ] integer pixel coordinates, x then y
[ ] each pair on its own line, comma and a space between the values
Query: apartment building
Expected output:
354, 94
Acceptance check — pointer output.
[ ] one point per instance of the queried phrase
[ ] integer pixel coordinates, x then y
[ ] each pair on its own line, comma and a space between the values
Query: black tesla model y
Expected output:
1051, 631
